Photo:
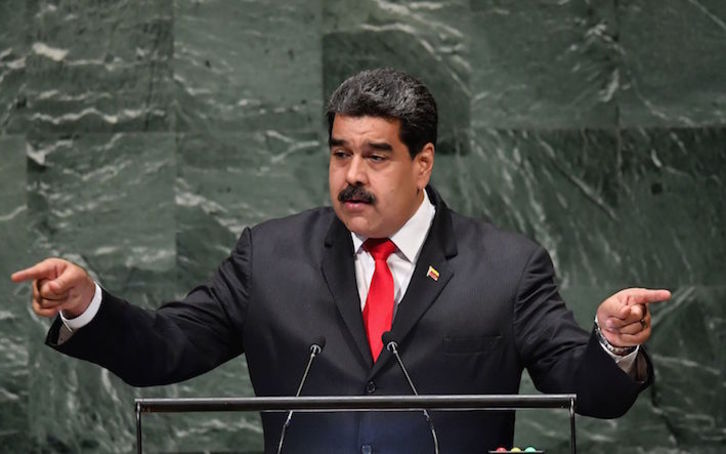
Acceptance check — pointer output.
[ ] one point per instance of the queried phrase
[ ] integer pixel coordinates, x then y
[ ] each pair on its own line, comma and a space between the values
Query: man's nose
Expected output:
356, 173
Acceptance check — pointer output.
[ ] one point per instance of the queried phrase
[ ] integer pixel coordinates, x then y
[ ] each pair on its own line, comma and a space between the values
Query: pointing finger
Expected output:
647, 296
43, 270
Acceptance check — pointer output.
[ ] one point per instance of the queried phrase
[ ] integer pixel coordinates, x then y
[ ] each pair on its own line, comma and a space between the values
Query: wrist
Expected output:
74, 312
614, 349
88, 314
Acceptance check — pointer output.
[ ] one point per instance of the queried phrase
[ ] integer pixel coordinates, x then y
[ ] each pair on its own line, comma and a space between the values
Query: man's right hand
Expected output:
58, 285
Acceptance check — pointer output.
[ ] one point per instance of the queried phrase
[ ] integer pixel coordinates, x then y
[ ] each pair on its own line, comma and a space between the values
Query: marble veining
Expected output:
139, 139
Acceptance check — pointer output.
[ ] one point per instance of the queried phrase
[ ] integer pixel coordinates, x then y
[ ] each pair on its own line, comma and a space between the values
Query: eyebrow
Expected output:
380, 146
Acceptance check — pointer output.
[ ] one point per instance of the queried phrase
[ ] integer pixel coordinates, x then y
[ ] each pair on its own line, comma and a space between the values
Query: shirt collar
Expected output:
410, 238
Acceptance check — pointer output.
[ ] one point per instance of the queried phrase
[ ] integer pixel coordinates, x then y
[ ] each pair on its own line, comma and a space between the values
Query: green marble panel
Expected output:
14, 303
642, 209
674, 190
689, 353
249, 63
673, 63
426, 39
107, 198
231, 180
546, 86
105, 201
99, 66
13, 47
544, 64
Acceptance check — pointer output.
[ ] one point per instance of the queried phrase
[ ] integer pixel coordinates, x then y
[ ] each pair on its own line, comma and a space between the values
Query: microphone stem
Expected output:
433, 431
394, 350
405, 372
314, 350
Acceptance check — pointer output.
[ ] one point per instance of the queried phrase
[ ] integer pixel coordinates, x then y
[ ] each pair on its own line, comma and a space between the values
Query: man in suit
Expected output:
470, 306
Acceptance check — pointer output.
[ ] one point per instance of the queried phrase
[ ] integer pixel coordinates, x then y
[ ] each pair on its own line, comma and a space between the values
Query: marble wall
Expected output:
138, 138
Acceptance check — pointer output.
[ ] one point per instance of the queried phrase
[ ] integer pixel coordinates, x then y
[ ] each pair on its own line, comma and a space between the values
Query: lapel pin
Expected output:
432, 273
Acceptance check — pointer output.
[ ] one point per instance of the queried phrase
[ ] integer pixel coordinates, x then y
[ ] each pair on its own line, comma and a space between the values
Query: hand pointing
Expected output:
624, 317
58, 285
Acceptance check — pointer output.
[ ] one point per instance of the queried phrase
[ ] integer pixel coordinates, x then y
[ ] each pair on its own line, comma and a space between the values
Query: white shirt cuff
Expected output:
85, 318
627, 362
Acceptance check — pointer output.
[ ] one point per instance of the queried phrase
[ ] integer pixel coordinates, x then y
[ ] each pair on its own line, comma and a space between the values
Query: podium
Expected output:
469, 402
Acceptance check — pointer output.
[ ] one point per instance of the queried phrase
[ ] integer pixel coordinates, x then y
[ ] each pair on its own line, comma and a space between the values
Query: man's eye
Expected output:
340, 154
377, 158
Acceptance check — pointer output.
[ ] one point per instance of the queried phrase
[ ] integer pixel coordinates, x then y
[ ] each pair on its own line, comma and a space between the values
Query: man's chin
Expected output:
358, 225
359, 218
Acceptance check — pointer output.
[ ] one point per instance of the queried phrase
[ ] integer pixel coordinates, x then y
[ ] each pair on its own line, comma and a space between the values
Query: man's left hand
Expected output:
624, 317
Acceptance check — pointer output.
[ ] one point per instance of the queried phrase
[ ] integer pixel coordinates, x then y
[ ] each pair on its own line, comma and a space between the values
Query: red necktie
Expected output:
378, 311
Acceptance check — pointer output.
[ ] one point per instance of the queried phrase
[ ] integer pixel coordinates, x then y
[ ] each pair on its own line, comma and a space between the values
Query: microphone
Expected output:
392, 346
315, 348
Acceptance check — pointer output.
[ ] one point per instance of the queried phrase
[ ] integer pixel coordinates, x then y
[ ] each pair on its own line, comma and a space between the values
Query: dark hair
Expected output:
387, 93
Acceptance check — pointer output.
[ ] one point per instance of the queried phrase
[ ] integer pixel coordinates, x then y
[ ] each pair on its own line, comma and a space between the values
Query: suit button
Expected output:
366, 449
370, 389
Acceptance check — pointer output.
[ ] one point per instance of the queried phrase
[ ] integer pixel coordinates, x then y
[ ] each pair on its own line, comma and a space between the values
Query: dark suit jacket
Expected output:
493, 311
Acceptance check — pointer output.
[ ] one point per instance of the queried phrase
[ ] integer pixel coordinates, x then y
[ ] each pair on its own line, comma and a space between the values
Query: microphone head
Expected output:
318, 342
388, 340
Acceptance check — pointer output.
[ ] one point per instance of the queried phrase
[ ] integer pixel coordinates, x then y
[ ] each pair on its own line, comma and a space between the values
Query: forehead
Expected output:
364, 128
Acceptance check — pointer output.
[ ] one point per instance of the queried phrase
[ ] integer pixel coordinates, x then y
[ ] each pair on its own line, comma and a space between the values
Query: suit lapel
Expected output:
424, 288
339, 272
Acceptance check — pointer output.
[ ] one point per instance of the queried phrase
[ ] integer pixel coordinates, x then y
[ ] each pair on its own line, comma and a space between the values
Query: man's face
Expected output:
375, 185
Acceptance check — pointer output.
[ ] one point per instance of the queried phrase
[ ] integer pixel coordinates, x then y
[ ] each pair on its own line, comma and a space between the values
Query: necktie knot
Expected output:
379, 248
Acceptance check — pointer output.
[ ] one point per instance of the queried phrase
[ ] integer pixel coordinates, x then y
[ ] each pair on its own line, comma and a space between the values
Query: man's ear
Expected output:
424, 164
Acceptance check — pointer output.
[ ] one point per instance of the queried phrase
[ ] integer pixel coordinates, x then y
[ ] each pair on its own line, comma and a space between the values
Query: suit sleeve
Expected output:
180, 340
560, 356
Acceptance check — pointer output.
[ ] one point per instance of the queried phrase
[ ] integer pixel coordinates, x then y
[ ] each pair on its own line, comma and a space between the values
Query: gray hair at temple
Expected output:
390, 94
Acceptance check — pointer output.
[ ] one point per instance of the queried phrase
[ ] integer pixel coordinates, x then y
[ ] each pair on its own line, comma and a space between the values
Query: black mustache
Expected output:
356, 193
